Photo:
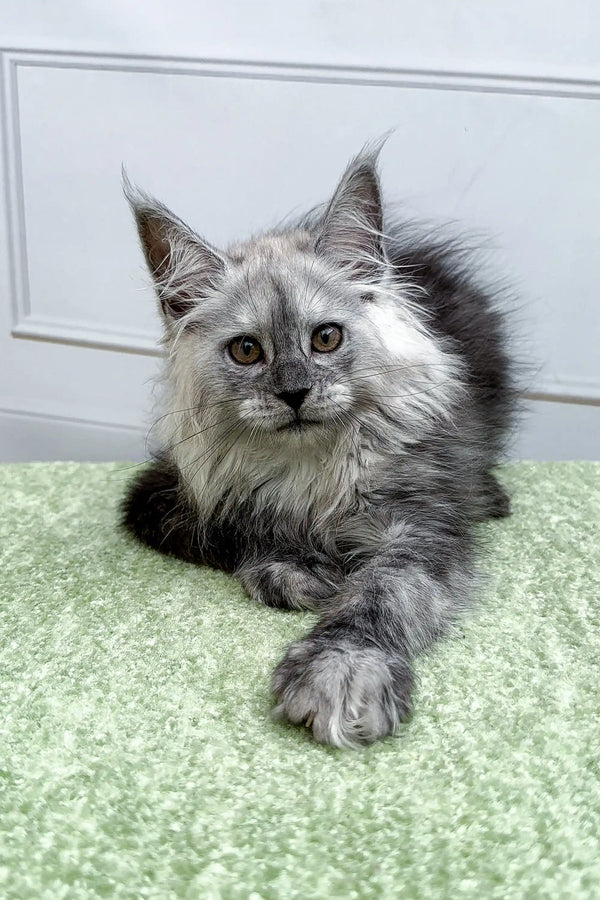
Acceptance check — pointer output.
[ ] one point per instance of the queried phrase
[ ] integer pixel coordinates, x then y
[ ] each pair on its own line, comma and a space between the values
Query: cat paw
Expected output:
287, 585
348, 695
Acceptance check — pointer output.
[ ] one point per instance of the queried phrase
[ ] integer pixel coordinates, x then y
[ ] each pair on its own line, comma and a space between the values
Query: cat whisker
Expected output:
194, 434
196, 410
210, 452
372, 372
122, 469
221, 439
427, 390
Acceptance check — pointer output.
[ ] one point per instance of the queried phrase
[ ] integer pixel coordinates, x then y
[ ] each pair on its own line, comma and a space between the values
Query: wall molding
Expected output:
31, 436
582, 393
438, 79
69, 331
71, 420
28, 325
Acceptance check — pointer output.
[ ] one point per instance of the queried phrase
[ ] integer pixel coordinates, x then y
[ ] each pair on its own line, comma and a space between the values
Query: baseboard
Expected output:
32, 437
551, 431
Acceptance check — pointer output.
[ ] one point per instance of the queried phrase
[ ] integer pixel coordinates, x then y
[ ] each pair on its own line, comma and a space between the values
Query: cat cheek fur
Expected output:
367, 517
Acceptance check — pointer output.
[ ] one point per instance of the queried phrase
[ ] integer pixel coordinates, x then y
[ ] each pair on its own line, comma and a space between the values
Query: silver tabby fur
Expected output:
360, 503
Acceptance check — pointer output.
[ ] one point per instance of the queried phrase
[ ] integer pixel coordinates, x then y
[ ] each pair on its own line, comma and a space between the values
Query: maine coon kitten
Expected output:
337, 399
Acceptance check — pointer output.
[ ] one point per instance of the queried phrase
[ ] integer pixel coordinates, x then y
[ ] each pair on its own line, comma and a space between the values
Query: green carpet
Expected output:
138, 759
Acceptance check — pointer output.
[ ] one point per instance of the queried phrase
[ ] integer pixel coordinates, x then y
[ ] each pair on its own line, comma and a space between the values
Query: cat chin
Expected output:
302, 426
294, 440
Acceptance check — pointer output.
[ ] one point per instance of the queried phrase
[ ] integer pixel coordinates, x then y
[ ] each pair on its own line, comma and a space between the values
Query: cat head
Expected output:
302, 332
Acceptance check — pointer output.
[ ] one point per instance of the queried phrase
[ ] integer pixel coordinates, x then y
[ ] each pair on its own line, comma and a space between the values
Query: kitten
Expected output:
337, 398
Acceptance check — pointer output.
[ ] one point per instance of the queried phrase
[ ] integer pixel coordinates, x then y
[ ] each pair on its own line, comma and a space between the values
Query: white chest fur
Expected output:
303, 481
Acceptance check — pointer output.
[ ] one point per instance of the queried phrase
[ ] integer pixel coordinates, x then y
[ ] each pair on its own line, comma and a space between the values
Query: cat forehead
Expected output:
278, 279
272, 246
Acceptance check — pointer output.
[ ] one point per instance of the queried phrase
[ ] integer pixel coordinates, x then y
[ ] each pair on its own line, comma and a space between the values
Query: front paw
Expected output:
347, 694
290, 585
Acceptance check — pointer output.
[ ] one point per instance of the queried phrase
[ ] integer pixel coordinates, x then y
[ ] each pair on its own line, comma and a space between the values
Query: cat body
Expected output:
337, 395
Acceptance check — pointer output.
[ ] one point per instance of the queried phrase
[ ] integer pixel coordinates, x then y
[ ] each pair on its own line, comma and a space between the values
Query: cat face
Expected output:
295, 334
282, 341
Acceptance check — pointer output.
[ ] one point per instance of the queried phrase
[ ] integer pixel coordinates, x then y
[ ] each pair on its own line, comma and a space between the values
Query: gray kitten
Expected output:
337, 395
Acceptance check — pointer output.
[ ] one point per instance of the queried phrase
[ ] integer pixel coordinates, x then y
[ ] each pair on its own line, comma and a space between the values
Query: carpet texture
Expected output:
138, 759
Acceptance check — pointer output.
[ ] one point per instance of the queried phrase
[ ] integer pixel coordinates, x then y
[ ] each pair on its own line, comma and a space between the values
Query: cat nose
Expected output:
295, 399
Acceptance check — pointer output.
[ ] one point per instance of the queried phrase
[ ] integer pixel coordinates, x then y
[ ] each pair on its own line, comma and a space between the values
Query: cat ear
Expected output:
353, 222
182, 265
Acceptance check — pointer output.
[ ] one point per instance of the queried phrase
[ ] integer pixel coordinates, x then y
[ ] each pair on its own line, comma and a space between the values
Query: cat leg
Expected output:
155, 511
350, 679
299, 581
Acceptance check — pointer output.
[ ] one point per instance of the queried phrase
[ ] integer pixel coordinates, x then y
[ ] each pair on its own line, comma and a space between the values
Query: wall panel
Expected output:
232, 146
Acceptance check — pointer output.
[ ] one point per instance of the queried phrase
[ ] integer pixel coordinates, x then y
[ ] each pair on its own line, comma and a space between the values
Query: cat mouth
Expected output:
298, 425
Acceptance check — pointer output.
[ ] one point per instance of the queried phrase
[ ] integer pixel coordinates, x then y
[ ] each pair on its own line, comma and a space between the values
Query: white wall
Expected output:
236, 113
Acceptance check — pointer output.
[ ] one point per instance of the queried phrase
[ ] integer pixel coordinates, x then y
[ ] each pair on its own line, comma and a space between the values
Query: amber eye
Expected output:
326, 338
245, 350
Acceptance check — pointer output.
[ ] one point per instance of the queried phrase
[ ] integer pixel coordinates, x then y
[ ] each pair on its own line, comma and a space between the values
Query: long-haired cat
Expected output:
337, 397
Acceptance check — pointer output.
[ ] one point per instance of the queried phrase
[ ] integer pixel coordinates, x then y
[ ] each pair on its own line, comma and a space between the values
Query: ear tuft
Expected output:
352, 227
183, 266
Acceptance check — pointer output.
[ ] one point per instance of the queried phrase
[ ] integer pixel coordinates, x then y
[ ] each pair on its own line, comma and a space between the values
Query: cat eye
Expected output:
245, 350
326, 337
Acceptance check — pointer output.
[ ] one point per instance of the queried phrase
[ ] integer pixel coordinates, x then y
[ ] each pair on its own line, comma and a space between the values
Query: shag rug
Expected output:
138, 757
